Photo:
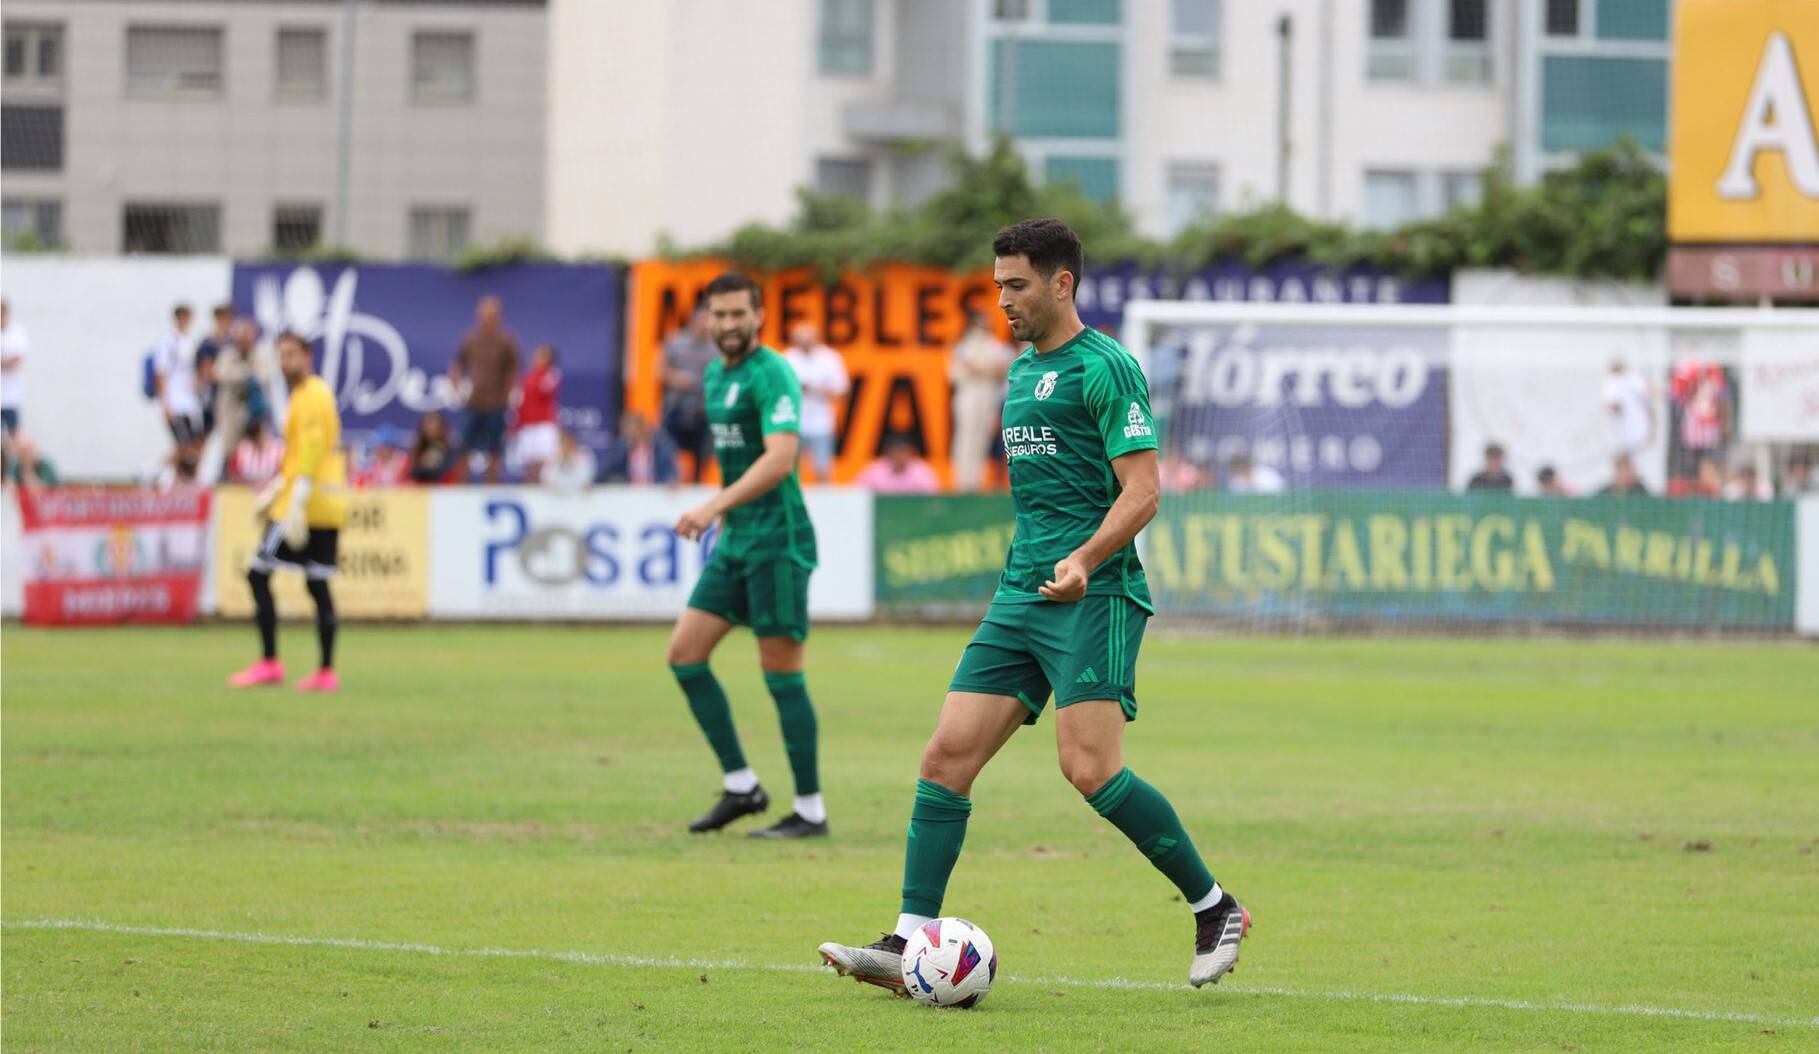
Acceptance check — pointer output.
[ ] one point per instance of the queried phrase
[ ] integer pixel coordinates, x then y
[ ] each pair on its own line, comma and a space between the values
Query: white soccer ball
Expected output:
949, 962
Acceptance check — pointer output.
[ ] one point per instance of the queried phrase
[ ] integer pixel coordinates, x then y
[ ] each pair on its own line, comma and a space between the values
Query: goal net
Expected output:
1415, 467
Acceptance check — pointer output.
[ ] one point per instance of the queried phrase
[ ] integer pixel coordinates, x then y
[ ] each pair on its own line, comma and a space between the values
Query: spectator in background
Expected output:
1624, 480
208, 353
1493, 476
977, 370
23, 464
1798, 480
179, 386
685, 357
1244, 477
1178, 475
538, 410
184, 467
1705, 482
1548, 485
13, 346
1745, 485
240, 388
432, 456
641, 454
257, 457
573, 468
389, 464
822, 373
1703, 395
1626, 404
900, 470
487, 364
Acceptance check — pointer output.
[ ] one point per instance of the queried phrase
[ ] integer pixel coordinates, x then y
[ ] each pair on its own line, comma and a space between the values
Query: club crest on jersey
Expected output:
1137, 424
1046, 386
784, 412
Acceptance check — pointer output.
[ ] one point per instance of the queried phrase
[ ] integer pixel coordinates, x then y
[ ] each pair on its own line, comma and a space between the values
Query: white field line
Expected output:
670, 963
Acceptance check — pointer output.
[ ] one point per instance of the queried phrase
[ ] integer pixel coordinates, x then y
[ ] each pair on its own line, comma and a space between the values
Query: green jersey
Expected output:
1067, 414
746, 401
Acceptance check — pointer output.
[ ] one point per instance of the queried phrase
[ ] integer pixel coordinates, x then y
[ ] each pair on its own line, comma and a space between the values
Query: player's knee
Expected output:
949, 761
1087, 771
780, 655
686, 652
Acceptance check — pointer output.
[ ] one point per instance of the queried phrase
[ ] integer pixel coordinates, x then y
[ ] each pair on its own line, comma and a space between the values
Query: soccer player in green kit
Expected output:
758, 574
1069, 612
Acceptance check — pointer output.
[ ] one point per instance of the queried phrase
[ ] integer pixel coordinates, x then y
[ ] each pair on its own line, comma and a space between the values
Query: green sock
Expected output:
937, 827
797, 715
708, 703
1149, 821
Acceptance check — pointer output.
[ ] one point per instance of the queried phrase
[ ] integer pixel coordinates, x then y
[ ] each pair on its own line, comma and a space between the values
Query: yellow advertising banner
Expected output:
383, 564
1745, 145
894, 325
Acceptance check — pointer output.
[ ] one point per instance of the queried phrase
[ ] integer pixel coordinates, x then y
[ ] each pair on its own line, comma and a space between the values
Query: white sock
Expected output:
1207, 901
907, 925
741, 781
811, 808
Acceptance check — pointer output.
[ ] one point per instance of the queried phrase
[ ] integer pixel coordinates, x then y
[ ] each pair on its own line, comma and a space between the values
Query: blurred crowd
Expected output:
220, 396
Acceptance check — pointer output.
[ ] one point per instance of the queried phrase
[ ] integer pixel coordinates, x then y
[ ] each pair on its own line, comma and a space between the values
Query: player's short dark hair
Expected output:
290, 334
733, 282
1048, 244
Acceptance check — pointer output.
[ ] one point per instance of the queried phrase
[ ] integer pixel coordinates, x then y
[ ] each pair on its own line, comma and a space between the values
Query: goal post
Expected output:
1415, 466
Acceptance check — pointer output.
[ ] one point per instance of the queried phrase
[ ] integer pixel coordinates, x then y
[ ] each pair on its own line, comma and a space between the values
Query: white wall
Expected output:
91, 320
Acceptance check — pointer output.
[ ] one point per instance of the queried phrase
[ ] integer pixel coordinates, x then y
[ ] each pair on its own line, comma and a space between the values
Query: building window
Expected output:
1392, 45
438, 233
1460, 190
1631, 20
296, 229
1085, 12
1097, 177
1587, 102
34, 59
1193, 196
1058, 89
442, 67
847, 177
1194, 39
1391, 199
172, 227
1562, 18
32, 223
846, 36
1468, 52
174, 60
302, 65
1010, 10
31, 138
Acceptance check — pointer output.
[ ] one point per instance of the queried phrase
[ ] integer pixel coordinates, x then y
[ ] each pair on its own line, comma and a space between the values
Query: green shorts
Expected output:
1083, 651
770, 596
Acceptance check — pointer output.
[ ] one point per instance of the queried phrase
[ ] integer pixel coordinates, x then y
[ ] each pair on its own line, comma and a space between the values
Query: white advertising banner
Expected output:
1542, 393
610, 553
1780, 386
12, 555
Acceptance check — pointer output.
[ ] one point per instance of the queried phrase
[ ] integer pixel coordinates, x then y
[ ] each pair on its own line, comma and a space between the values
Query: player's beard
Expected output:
747, 342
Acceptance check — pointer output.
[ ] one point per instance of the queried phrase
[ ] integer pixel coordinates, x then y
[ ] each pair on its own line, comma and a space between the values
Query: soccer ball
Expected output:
949, 962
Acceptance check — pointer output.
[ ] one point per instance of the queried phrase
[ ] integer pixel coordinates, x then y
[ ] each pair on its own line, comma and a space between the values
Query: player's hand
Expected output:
267, 495
696, 521
296, 526
1069, 583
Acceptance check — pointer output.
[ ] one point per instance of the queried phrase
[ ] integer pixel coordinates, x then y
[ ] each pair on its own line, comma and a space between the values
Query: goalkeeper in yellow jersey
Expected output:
302, 512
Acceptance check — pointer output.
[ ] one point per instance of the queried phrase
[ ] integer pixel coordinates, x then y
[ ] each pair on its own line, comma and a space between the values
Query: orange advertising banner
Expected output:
894, 325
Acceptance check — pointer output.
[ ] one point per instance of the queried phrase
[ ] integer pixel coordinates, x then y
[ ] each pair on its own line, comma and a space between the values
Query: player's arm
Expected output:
1118, 398
1141, 490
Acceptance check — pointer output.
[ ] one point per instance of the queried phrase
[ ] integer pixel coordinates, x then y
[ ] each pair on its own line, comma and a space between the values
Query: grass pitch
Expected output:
1447, 845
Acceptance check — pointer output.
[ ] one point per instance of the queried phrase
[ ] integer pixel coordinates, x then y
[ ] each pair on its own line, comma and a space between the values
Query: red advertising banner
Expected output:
101, 556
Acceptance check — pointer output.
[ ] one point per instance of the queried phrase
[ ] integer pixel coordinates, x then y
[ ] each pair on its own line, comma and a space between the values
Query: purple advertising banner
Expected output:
1319, 406
386, 334
1102, 296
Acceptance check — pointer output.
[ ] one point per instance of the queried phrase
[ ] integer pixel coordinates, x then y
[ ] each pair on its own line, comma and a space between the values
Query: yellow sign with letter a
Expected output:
1745, 135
